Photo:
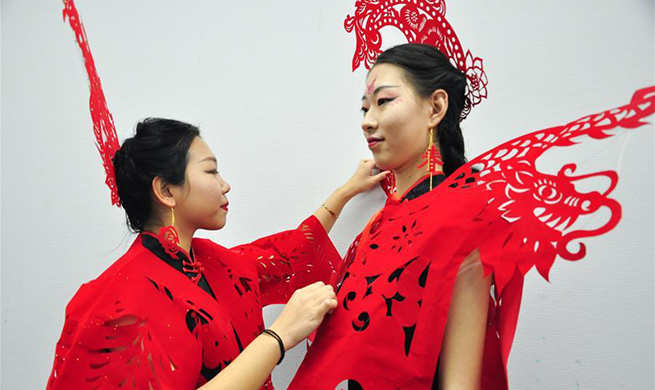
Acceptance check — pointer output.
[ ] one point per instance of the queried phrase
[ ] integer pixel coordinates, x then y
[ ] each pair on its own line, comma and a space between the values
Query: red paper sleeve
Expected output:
291, 260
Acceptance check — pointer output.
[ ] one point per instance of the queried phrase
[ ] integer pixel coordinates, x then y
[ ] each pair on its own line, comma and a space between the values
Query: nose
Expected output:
225, 187
369, 124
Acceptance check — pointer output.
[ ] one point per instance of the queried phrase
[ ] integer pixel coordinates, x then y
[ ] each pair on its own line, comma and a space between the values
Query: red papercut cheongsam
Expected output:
154, 321
400, 272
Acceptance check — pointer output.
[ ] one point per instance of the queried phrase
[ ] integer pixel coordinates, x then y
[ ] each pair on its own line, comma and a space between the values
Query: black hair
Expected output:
427, 69
159, 148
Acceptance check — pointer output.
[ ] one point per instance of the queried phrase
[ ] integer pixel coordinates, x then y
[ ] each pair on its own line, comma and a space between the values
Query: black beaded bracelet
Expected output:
279, 341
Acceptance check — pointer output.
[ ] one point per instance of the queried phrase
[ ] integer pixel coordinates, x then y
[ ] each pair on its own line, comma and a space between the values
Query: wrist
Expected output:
278, 340
285, 338
344, 193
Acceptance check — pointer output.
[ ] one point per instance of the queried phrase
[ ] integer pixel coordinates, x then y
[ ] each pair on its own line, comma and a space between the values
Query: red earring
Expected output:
169, 238
432, 158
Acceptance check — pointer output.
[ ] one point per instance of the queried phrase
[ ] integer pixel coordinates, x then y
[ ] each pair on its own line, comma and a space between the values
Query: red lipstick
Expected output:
373, 141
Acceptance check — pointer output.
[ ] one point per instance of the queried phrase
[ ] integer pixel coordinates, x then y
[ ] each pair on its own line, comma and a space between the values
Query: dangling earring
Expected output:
431, 157
169, 238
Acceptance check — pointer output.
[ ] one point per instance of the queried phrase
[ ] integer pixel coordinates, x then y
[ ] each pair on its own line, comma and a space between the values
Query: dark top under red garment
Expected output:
144, 324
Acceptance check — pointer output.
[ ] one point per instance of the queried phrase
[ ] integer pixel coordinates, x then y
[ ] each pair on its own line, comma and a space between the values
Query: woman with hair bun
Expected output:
178, 312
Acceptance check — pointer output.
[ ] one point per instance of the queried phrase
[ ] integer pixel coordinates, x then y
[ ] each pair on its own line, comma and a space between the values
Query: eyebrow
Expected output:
378, 89
209, 159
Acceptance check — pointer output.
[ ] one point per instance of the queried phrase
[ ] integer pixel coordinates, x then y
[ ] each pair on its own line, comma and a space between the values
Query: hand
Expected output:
303, 313
363, 179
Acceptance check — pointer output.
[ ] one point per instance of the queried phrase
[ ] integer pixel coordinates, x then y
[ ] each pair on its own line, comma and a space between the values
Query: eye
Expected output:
213, 171
383, 101
364, 110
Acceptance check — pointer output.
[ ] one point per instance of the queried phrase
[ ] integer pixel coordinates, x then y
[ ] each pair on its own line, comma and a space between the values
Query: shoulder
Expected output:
210, 253
205, 249
120, 282
206, 244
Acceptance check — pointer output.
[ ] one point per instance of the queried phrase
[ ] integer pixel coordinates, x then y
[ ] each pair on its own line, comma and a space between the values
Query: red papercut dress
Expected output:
396, 288
145, 324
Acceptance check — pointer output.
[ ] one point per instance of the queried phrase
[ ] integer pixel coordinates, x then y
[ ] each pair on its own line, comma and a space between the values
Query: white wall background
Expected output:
269, 83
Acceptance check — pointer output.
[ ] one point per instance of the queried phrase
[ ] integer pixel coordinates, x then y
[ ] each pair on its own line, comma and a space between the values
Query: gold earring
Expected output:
172, 217
430, 147
431, 157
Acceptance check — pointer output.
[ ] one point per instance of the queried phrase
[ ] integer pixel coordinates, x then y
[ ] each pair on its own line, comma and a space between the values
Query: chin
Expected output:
383, 163
215, 225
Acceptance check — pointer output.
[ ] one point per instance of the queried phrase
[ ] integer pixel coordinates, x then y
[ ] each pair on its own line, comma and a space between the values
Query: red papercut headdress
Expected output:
421, 21
103, 122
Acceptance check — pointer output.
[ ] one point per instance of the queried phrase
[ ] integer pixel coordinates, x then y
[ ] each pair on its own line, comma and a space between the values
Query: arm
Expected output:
140, 347
295, 258
463, 344
301, 316
361, 181
250, 369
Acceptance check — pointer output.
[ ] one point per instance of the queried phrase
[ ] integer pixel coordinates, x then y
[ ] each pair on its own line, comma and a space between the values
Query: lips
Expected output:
373, 141
224, 207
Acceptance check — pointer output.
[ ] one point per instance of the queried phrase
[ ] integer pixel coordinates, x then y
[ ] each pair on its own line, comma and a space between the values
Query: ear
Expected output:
161, 190
438, 107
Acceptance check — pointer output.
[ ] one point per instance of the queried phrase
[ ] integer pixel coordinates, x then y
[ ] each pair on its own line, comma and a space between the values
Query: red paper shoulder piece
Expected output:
421, 21
530, 212
114, 344
103, 122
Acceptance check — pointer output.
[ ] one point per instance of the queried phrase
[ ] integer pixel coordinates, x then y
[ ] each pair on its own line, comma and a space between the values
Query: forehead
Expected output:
199, 150
385, 74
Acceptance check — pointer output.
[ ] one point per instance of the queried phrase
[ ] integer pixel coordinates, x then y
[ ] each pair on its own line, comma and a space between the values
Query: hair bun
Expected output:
159, 148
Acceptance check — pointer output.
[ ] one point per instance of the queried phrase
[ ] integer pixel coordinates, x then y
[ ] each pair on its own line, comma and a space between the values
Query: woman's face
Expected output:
396, 120
201, 202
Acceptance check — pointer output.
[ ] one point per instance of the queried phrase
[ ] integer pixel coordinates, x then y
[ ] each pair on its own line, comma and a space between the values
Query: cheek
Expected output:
206, 192
401, 134
405, 136
212, 188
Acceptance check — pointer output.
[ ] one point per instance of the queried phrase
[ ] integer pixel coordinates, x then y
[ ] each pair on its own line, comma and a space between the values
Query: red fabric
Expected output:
396, 289
394, 298
143, 324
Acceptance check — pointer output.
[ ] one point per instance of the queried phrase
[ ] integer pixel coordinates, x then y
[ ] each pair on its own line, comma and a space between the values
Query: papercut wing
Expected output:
531, 213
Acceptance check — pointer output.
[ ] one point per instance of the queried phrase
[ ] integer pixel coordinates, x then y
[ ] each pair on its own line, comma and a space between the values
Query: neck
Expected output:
186, 235
409, 174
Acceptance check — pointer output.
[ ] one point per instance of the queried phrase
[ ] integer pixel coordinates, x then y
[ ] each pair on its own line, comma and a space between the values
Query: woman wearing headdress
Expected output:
431, 288
178, 312
411, 107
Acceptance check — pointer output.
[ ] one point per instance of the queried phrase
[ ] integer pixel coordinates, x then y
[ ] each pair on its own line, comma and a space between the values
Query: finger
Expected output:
330, 304
327, 305
313, 287
323, 290
318, 300
381, 176
368, 167
323, 293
